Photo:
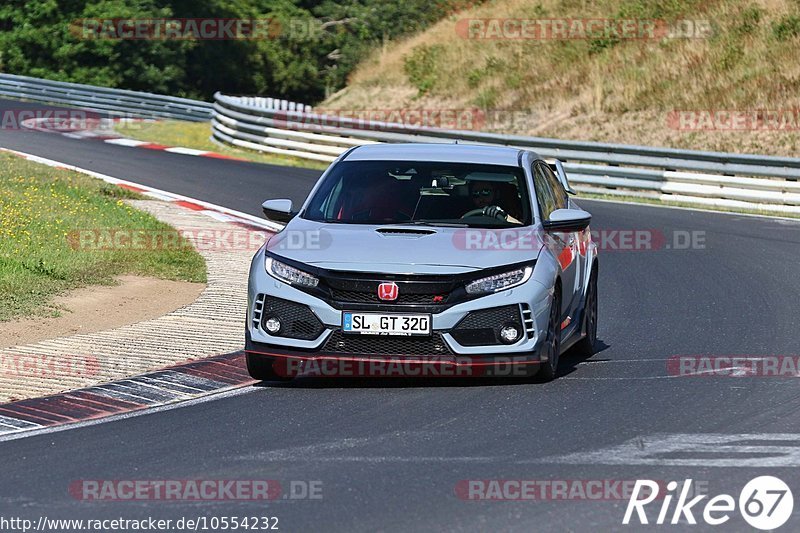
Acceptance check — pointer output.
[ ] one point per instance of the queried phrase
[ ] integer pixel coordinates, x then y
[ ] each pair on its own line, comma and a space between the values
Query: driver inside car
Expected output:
485, 196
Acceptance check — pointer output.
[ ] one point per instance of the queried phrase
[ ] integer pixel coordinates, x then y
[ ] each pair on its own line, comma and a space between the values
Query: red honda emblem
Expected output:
388, 291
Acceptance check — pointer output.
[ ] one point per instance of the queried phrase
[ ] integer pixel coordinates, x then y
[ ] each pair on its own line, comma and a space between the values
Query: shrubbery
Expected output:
318, 45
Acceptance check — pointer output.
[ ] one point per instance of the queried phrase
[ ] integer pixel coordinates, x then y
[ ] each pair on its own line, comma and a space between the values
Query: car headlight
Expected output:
499, 282
289, 274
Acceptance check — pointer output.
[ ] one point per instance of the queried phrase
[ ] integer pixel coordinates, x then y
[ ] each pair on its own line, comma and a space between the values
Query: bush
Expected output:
420, 66
786, 28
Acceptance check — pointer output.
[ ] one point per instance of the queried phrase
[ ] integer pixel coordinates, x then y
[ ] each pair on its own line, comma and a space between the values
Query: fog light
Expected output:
509, 334
273, 325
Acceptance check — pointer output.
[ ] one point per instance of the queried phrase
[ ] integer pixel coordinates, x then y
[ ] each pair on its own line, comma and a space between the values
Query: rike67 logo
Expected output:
765, 503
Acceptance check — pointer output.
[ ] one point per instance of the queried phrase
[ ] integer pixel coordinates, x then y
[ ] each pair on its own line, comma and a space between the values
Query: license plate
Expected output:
386, 324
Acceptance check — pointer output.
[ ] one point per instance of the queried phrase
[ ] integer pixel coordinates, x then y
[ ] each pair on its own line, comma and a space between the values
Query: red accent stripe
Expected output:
31, 408
219, 371
27, 417
190, 205
45, 419
153, 146
565, 257
78, 409
215, 155
131, 187
213, 373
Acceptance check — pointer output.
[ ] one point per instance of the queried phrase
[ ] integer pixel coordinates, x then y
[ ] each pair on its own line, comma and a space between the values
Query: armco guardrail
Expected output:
710, 178
113, 101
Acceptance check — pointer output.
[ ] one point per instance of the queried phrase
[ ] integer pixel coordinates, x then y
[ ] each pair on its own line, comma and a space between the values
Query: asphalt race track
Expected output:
391, 455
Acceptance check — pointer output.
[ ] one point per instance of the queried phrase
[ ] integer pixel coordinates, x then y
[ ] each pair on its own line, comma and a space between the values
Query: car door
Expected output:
564, 246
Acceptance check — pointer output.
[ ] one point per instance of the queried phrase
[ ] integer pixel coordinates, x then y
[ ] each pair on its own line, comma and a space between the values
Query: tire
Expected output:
548, 370
586, 346
261, 367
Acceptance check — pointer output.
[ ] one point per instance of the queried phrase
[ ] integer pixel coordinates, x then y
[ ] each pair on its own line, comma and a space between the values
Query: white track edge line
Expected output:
250, 219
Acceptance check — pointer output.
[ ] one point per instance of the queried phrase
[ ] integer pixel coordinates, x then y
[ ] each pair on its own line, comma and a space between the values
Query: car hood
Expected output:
403, 249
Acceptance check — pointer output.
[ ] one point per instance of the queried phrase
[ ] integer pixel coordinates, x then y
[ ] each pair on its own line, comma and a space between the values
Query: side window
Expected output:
331, 201
544, 193
559, 193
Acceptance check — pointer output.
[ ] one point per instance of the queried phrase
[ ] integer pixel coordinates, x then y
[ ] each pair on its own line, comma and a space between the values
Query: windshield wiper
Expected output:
429, 223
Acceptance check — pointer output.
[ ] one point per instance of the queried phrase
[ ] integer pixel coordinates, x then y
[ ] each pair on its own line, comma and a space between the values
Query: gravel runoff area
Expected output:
211, 325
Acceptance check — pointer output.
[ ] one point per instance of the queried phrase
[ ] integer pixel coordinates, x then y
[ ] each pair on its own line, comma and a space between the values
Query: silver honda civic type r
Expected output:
465, 260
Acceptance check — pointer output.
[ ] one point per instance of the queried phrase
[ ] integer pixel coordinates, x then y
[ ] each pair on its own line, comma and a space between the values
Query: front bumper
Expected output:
325, 343
288, 363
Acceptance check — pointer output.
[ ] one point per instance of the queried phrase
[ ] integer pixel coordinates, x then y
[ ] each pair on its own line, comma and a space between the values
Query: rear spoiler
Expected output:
558, 168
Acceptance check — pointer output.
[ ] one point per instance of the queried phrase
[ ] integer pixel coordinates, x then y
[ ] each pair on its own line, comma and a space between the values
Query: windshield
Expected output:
410, 192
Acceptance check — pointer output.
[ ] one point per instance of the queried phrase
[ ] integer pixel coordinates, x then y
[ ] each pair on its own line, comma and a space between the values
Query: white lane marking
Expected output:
387, 459
222, 217
159, 196
156, 388
16, 422
320, 451
113, 392
12, 425
126, 142
764, 450
185, 151
170, 385
191, 380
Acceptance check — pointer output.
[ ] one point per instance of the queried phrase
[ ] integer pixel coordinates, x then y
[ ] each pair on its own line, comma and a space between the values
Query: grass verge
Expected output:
197, 135
40, 207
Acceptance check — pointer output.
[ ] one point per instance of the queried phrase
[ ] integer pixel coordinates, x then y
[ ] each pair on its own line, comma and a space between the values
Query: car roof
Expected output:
438, 152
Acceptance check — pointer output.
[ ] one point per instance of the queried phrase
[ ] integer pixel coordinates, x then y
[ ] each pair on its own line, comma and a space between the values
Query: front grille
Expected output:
339, 343
371, 297
482, 328
297, 320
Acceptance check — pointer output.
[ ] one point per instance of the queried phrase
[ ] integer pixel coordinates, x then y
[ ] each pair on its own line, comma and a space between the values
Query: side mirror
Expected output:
567, 220
278, 210
558, 167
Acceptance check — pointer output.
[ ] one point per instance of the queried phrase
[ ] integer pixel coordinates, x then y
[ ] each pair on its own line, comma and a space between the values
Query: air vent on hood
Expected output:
405, 231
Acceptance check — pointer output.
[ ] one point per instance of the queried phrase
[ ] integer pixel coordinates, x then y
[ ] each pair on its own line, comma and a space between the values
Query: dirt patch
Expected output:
100, 308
